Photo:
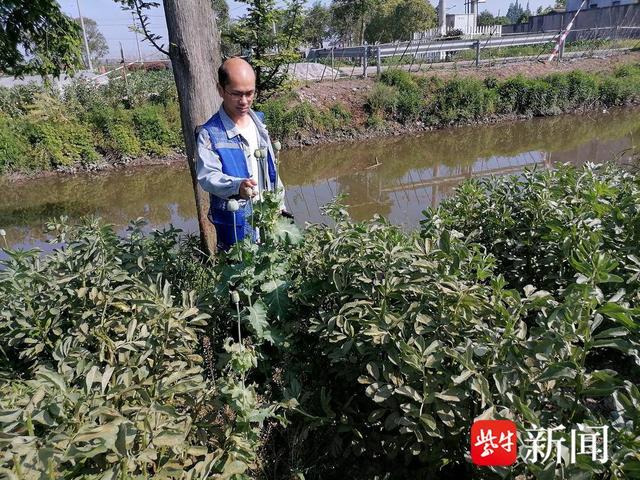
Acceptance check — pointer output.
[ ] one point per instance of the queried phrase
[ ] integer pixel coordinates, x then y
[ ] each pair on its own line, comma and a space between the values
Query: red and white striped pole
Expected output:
563, 37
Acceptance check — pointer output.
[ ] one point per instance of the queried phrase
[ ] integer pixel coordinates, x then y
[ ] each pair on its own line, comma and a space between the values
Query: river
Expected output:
396, 177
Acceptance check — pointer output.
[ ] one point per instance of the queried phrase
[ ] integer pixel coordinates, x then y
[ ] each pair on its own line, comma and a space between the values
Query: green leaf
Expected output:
92, 376
462, 377
53, 378
10, 416
258, 318
560, 370
428, 421
383, 393
410, 392
287, 231
620, 314
106, 376
373, 370
169, 438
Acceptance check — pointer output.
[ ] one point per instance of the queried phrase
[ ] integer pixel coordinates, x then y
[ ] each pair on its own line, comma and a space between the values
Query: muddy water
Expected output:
395, 177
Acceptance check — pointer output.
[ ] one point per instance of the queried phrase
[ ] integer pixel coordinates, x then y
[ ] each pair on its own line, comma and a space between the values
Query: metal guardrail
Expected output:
433, 45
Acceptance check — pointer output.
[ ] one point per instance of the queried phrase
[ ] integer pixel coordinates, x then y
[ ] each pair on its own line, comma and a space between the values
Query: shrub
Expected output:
583, 89
409, 101
536, 96
413, 339
14, 150
117, 129
398, 78
510, 94
411, 104
275, 114
618, 91
375, 121
15, 101
155, 86
340, 112
382, 99
508, 306
152, 128
462, 99
629, 70
285, 116
305, 116
101, 372
518, 300
62, 143
82, 95
531, 224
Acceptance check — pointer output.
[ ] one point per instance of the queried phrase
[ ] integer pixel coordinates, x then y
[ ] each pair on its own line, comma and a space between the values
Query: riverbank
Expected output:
402, 103
98, 133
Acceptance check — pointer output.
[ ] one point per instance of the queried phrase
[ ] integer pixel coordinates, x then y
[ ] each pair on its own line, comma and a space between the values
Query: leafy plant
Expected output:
100, 370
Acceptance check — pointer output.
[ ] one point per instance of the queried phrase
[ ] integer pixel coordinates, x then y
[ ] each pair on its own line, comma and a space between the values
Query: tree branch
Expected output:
148, 35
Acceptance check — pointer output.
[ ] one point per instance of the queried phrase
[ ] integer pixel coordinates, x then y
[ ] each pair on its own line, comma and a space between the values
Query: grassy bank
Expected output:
41, 130
365, 351
400, 97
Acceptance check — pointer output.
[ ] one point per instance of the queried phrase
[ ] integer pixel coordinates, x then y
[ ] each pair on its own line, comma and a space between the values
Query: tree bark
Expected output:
194, 49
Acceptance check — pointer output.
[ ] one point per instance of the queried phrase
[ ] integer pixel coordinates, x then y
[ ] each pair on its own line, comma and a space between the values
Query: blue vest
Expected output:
234, 164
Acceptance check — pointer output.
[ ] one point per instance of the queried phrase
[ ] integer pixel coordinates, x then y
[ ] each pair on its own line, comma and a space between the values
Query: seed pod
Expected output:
248, 192
233, 205
277, 145
235, 296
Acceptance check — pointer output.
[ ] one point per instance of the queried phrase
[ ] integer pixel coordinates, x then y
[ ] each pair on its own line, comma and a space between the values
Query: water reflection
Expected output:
395, 177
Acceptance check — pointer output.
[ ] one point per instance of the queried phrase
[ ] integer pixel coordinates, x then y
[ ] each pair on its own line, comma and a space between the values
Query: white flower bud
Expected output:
233, 205
257, 153
2, 232
235, 296
277, 145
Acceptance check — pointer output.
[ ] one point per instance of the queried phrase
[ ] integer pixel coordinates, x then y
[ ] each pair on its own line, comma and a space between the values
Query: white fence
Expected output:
471, 31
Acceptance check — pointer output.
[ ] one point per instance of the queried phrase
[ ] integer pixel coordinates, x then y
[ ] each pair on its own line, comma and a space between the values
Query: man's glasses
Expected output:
240, 95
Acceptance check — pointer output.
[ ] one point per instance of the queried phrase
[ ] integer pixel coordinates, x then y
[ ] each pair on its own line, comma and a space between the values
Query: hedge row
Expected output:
43, 130
406, 98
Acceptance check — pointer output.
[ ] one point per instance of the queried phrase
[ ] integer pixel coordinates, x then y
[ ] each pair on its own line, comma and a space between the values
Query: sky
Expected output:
114, 23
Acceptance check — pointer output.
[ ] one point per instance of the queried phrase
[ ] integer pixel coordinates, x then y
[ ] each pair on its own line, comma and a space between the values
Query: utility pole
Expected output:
442, 17
273, 24
135, 30
84, 35
124, 76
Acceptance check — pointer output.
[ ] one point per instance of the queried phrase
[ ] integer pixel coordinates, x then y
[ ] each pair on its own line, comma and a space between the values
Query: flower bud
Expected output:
257, 153
233, 205
277, 145
235, 296
2, 232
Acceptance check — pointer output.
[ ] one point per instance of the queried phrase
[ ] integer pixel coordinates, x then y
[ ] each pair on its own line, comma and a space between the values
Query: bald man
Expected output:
227, 166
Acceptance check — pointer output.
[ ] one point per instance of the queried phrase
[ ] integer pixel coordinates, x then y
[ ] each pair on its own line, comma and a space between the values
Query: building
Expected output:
573, 5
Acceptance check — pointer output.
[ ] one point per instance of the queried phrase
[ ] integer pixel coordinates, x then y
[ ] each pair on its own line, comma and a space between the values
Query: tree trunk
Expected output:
194, 49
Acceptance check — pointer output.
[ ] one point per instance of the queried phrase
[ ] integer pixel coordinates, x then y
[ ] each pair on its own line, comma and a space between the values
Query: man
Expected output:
227, 166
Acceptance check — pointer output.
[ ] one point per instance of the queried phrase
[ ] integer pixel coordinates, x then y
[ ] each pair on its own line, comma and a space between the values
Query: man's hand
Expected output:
246, 188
